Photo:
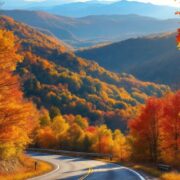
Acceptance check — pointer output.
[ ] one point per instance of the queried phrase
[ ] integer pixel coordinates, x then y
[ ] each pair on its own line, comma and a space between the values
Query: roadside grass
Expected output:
171, 176
148, 169
145, 168
154, 172
28, 169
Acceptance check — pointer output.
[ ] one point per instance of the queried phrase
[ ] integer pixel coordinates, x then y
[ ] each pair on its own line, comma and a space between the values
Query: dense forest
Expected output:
152, 58
154, 134
52, 76
18, 116
50, 98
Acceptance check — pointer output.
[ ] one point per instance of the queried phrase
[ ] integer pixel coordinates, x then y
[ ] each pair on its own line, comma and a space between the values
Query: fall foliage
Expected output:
178, 38
54, 77
75, 100
155, 131
69, 132
17, 116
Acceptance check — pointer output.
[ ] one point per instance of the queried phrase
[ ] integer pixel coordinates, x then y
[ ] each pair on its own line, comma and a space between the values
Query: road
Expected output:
76, 168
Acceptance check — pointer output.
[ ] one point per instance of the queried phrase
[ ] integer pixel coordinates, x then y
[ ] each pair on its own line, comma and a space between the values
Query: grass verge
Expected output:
171, 176
148, 169
28, 169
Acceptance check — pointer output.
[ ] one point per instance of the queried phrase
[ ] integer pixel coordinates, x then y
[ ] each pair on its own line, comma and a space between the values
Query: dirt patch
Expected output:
23, 168
9, 166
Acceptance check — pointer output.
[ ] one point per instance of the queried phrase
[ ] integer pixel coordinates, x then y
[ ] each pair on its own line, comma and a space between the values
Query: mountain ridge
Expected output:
152, 58
91, 30
52, 76
80, 9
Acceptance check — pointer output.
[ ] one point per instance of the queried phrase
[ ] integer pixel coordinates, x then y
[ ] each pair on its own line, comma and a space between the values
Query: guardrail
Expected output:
164, 167
72, 153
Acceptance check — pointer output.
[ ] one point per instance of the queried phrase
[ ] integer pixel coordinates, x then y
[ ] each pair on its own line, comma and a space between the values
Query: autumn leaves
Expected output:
178, 38
74, 133
156, 131
178, 32
17, 116
154, 135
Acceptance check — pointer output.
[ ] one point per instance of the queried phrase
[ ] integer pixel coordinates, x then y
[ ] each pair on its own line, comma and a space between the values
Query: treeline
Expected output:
17, 116
69, 132
154, 135
155, 131
53, 76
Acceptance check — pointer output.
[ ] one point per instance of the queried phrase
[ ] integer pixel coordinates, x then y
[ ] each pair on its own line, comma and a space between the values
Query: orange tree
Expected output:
155, 132
17, 116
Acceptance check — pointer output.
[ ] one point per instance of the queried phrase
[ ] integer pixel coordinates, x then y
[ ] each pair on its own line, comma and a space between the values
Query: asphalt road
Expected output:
75, 168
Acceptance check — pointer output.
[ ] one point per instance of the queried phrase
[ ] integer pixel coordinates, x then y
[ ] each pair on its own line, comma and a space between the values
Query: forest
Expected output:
50, 98
51, 75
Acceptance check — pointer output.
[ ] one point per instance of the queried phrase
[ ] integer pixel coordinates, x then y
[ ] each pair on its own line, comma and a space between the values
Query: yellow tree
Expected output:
103, 142
17, 116
121, 148
60, 128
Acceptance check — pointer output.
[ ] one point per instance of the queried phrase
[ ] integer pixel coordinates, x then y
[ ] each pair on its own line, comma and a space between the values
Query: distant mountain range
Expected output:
52, 75
80, 9
91, 30
153, 58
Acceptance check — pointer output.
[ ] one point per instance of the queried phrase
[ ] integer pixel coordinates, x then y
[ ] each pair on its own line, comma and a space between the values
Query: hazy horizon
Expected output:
14, 4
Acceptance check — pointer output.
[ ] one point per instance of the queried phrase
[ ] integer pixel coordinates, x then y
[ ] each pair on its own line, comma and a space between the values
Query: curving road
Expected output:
75, 168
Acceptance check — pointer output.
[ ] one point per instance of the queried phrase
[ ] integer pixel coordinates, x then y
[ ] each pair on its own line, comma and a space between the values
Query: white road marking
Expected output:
139, 175
76, 168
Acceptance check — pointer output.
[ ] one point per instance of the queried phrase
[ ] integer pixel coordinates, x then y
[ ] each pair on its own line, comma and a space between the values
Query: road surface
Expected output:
76, 168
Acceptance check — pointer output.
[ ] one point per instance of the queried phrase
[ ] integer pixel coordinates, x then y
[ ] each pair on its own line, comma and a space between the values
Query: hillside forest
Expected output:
51, 98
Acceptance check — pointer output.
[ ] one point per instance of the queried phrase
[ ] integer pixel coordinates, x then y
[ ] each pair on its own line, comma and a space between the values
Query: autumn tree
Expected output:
170, 129
75, 137
121, 148
178, 38
46, 138
44, 118
103, 142
155, 133
145, 131
17, 116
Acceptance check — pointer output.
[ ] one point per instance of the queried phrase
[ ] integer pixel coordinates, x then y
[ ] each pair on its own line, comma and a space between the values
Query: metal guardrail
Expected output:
73, 153
164, 167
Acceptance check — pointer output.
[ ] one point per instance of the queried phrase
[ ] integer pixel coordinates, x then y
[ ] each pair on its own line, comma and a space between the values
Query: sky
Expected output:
23, 3
162, 2
165, 2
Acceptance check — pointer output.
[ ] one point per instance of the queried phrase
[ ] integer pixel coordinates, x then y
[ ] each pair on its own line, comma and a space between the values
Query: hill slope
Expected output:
153, 58
51, 76
90, 30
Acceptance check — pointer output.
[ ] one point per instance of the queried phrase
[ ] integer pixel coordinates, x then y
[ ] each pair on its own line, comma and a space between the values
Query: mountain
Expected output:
90, 30
153, 58
52, 75
80, 9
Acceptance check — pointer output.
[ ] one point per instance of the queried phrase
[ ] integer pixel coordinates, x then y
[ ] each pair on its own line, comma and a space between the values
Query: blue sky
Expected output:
23, 3
165, 2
